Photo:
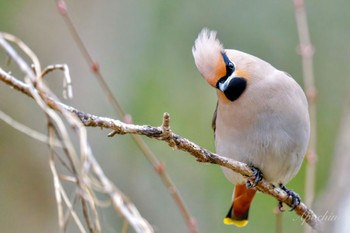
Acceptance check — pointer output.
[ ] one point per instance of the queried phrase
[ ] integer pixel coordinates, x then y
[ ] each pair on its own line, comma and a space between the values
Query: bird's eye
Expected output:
231, 66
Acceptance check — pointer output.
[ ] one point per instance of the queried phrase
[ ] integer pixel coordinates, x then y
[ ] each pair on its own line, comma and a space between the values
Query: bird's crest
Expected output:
207, 53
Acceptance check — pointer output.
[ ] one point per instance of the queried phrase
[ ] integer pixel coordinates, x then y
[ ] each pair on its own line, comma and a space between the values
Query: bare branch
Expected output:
67, 81
306, 51
82, 164
28, 131
150, 156
164, 133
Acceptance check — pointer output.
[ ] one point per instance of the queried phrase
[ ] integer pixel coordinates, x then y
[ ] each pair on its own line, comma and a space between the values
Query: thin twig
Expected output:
157, 165
177, 142
28, 131
86, 215
61, 195
62, 7
125, 227
15, 56
279, 220
67, 81
306, 51
56, 183
80, 162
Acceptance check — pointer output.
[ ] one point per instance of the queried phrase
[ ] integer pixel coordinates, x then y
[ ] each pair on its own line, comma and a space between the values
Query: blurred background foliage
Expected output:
144, 51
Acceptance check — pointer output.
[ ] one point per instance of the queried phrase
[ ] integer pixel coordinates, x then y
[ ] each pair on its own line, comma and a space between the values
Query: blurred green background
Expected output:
144, 51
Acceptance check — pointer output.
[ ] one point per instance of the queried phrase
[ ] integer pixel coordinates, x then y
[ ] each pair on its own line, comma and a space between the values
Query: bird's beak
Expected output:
225, 83
233, 86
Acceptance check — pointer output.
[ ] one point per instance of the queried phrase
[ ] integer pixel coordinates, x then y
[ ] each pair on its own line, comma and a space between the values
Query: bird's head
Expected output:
216, 66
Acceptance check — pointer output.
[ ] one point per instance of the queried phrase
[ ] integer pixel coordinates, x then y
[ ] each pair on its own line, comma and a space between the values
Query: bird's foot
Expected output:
295, 198
256, 177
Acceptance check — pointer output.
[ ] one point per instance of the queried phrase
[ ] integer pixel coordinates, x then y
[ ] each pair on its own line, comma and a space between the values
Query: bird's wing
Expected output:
213, 122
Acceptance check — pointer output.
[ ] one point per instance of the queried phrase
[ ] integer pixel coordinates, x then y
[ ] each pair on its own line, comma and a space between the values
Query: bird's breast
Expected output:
267, 134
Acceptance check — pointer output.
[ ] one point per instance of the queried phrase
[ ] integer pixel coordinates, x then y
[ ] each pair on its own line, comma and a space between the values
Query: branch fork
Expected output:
167, 134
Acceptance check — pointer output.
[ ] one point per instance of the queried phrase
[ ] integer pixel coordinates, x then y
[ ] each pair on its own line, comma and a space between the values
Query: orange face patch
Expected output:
220, 71
241, 73
222, 98
237, 74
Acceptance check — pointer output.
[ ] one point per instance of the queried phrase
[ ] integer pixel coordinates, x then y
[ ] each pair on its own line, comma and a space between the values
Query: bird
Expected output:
261, 119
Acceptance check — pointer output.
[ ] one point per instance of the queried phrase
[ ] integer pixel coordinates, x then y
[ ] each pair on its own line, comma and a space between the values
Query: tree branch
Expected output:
88, 176
164, 133
306, 51
147, 152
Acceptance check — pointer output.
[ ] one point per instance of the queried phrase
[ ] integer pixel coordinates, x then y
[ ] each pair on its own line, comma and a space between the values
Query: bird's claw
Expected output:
295, 198
257, 177
280, 206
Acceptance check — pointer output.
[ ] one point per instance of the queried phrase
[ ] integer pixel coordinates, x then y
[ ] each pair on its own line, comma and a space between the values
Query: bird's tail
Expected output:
238, 213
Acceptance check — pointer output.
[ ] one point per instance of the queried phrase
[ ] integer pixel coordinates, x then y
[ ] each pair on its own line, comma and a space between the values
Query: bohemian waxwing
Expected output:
261, 119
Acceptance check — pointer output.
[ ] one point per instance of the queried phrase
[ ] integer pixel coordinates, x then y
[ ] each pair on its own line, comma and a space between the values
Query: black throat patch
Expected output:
235, 88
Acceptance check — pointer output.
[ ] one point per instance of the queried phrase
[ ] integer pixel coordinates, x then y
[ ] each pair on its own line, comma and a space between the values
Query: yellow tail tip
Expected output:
237, 223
